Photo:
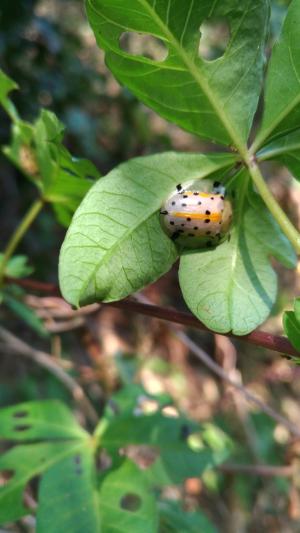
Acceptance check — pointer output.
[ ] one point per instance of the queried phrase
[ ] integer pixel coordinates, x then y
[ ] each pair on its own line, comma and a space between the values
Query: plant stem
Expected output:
18, 234
287, 227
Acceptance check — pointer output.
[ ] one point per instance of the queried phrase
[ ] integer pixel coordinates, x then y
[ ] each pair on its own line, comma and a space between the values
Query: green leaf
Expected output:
285, 149
17, 266
127, 502
37, 150
173, 519
6, 86
234, 287
282, 94
115, 244
217, 99
67, 495
175, 459
47, 419
26, 314
38, 421
291, 324
21, 464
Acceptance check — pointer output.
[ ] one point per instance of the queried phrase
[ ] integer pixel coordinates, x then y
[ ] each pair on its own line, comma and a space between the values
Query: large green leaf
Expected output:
127, 503
67, 495
282, 95
215, 99
115, 244
234, 287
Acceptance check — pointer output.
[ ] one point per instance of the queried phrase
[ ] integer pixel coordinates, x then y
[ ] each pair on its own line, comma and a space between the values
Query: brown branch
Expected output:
21, 348
259, 338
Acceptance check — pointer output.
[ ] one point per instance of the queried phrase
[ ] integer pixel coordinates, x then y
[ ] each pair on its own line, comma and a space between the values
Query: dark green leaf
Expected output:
233, 287
217, 99
175, 459
115, 244
67, 495
26, 314
173, 519
282, 94
127, 503
21, 464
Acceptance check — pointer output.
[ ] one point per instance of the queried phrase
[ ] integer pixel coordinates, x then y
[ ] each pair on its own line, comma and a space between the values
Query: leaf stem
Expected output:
18, 234
287, 227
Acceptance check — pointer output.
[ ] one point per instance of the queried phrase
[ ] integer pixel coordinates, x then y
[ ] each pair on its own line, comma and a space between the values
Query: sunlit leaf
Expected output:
216, 99
115, 244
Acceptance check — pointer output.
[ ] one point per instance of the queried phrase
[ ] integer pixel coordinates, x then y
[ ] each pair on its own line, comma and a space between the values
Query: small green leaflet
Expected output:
6, 86
291, 324
216, 100
285, 149
115, 244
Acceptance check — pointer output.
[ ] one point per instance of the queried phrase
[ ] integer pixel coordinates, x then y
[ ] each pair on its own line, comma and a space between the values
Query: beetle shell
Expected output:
197, 218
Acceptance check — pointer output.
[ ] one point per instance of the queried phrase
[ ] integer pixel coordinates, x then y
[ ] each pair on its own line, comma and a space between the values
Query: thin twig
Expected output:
214, 367
258, 470
259, 338
43, 359
218, 370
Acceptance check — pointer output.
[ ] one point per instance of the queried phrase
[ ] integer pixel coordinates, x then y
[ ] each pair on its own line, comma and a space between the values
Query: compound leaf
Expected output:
213, 99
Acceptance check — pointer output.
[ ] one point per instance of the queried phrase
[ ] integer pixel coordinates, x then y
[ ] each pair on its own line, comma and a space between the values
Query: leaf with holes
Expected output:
48, 419
291, 324
115, 244
234, 287
171, 457
69, 446
282, 94
214, 99
173, 519
127, 502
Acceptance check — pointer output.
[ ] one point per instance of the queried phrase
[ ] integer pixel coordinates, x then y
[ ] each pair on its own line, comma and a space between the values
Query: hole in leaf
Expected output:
139, 44
5, 476
20, 414
185, 432
215, 36
23, 427
142, 455
131, 502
